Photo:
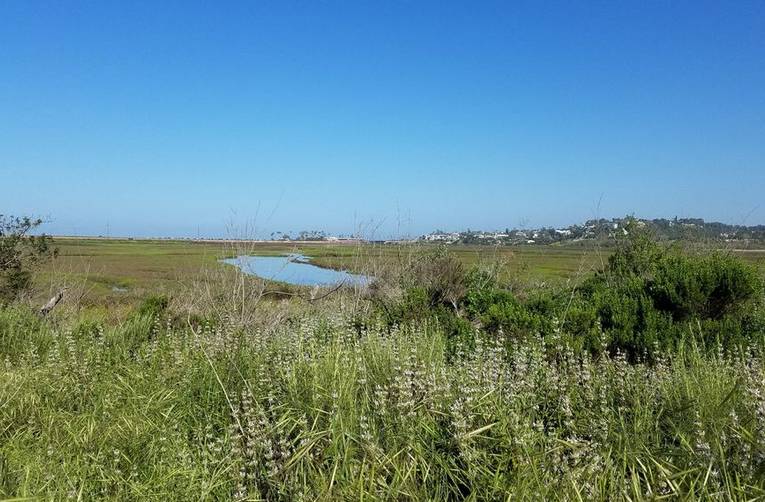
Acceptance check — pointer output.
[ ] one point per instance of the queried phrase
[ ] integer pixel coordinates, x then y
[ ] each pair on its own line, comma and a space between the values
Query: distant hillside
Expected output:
676, 229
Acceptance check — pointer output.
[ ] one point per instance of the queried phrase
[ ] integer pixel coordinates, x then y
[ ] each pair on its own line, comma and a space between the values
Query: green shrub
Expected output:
153, 305
707, 287
20, 253
498, 309
413, 305
653, 296
581, 326
636, 254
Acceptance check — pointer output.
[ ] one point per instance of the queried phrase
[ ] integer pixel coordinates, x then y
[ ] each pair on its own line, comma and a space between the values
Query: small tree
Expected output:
20, 252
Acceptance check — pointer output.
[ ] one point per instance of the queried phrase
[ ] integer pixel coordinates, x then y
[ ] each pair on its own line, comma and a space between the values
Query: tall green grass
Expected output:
318, 409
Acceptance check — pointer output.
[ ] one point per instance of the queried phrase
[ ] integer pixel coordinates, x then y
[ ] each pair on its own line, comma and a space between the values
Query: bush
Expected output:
653, 296
442, 276
498, 309
19, 253
629, 319
153, 306
702, 287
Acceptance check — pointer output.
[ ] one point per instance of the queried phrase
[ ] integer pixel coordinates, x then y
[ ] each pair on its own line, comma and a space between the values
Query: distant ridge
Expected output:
676, 229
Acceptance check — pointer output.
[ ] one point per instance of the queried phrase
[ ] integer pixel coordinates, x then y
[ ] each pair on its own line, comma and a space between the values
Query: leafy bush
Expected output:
153, 306
708, 287
19, 253
498, 309
653, 296
628, 318
442, 276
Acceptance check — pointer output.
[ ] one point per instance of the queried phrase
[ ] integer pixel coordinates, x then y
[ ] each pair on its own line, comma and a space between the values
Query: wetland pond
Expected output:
294, 269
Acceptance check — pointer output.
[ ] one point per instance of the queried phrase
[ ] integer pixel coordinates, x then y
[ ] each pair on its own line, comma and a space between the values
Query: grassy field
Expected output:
124, 271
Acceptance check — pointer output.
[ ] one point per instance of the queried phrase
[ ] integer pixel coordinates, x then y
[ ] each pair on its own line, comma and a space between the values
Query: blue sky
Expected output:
172, 118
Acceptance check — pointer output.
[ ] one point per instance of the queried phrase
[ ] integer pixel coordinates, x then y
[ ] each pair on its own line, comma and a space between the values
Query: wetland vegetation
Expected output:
634, 372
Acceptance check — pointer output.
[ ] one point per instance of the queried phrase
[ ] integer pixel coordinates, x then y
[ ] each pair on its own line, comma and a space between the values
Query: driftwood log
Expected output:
45, 309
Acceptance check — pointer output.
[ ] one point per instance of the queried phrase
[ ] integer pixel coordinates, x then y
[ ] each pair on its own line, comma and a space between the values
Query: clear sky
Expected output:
172, 118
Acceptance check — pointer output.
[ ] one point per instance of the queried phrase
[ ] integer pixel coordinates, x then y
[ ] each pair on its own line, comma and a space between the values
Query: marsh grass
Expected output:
316, 408
171, 268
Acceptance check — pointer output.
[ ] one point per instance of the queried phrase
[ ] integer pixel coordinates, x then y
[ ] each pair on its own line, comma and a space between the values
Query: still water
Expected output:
294, 269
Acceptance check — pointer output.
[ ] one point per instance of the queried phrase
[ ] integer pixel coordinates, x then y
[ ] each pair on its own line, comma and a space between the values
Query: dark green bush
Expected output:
153, 305
653, 296
707, 287
498, 309
413, 305
20, 253
629, 319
